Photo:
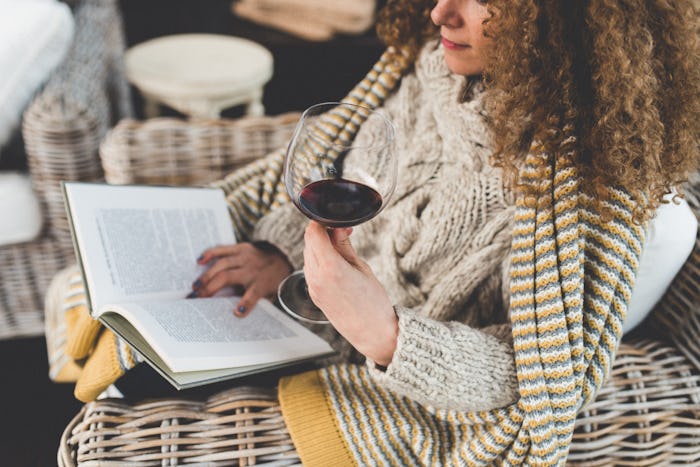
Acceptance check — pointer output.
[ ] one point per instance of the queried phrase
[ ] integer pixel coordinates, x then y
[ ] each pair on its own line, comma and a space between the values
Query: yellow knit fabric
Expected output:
311, 422
69, 372
82, 332
103, 367
93, 357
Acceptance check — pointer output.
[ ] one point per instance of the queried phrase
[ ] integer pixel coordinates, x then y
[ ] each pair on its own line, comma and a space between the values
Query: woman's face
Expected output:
461, 28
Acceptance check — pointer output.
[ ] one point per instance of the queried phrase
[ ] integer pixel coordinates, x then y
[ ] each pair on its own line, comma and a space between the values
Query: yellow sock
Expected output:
110, 359
69, 372
81, 328
81, 332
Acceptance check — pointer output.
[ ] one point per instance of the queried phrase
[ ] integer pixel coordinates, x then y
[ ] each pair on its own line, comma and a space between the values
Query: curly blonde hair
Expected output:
622, 76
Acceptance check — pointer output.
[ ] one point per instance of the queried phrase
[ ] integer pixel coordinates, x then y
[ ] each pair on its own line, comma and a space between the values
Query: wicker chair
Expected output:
62, 129
648, 413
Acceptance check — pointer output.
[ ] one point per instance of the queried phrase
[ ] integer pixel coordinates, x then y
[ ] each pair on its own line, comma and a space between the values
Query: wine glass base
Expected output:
294, 298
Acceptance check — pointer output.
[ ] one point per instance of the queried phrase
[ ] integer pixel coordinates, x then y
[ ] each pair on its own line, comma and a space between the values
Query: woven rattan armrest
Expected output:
170, 151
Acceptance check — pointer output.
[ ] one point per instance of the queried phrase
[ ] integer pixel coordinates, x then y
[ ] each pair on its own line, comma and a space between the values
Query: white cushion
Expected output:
34, 37
670, 240
19, 209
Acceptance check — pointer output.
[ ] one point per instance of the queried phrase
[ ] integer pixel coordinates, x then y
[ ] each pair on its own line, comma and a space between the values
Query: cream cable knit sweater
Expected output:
440, 248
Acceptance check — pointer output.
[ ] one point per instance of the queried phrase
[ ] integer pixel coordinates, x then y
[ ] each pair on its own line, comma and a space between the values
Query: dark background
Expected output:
34, 410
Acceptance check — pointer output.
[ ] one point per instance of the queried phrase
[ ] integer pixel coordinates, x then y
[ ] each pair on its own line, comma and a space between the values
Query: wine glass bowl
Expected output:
336, 179
333, 179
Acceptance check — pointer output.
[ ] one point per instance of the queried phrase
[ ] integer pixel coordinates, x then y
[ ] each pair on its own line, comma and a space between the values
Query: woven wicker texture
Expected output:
62, 128
241, 426
648, 413
174, 152
25, 273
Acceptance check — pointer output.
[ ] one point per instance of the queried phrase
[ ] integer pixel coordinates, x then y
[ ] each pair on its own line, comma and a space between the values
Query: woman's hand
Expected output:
259, 271
351, 297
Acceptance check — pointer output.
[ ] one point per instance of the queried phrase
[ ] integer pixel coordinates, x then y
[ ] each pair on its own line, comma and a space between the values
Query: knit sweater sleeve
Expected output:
449, 365
284, 227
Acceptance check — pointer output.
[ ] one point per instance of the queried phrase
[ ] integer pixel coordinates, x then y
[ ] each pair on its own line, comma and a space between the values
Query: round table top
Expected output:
198, 64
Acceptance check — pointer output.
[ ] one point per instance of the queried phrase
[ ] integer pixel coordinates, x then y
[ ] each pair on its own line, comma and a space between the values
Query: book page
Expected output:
203, 334
142, 242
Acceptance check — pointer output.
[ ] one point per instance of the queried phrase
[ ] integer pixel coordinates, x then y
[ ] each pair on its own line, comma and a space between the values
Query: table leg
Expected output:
255, 108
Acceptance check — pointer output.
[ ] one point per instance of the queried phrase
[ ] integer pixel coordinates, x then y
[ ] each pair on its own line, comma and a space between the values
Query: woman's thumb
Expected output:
340, 237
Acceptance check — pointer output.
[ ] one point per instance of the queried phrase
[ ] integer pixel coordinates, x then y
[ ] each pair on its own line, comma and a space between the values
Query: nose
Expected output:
446, 13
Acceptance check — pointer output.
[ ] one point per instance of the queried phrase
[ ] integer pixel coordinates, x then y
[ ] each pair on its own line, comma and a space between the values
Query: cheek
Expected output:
480, 42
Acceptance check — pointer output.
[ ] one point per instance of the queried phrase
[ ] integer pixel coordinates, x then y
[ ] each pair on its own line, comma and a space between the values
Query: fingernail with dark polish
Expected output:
197, 284
241, 309
200, 258
192, 295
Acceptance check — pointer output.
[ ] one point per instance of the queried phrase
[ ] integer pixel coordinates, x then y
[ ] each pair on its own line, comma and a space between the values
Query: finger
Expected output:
221, 264
311, 265
309, 256
341, 241
217, 251
247, 302
320, 258
318, 240
225, 278
311, 239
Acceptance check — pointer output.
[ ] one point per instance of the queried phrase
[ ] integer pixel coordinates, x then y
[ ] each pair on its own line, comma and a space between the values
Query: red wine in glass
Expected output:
337, 202
336, 180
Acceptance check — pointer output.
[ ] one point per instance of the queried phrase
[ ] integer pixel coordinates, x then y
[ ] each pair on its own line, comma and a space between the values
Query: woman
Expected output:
535, 139
585, 93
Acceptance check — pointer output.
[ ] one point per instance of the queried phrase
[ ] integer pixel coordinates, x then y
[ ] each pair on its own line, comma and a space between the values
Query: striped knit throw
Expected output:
571, 281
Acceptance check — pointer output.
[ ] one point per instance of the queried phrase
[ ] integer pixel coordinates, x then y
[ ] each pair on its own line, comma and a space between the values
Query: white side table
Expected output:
200, 74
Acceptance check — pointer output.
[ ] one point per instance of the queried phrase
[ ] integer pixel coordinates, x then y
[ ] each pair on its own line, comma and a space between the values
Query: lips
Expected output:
448, 44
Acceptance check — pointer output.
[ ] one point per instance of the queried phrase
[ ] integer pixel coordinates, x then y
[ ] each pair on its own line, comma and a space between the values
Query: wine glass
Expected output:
335, 180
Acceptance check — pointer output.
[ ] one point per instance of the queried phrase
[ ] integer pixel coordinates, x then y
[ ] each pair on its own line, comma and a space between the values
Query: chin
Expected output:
463, 67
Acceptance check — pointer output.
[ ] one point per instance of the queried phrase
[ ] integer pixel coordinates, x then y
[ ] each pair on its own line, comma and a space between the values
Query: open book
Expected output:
137, 247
